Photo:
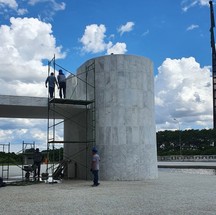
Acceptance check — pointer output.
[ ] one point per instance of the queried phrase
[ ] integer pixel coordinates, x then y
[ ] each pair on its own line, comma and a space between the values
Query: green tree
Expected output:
192, 142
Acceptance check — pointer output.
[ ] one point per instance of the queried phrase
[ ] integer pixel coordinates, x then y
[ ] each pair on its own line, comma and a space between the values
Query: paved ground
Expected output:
170, 194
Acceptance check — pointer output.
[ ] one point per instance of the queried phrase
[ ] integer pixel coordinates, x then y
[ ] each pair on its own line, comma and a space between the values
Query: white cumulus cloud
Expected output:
126, 28
183, 90
93, 41
25, 44
187, 4
204, 2
15, 131
192, 27
118, 48
12, 5
56, 6
9, 3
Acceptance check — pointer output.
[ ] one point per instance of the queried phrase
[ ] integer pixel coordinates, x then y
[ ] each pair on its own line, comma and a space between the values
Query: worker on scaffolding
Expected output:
37, 163
51, 80
62, 84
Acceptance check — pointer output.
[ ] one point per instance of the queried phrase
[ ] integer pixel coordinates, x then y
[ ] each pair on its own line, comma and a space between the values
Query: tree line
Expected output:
188, 142
55, 155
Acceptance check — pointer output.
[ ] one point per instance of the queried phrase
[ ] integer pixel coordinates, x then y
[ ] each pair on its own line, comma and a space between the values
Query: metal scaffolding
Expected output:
59, 113
28, 150
5, 148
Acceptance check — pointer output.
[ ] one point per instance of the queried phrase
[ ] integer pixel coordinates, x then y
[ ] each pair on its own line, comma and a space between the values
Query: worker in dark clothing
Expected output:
95, 166
37, 164
51, 80
62, 84
2, 184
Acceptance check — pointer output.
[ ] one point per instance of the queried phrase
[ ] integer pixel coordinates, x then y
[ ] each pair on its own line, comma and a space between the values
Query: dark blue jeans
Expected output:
95, 174
37, 166
62, 88
51, 91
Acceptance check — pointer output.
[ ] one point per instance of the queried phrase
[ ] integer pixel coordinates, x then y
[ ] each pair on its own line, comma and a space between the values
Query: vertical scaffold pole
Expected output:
213, 62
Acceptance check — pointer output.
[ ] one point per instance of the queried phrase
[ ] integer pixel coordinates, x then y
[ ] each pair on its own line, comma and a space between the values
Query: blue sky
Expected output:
173, 34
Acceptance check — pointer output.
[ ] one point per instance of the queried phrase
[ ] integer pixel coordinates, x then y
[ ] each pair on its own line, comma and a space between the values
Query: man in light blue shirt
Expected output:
95, 166
51, 80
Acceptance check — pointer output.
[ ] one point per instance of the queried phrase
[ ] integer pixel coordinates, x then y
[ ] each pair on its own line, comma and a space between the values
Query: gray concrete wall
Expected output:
75, 131
125, 122
77, 128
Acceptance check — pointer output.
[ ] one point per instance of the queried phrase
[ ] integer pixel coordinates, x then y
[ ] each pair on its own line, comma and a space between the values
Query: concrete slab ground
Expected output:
170, 194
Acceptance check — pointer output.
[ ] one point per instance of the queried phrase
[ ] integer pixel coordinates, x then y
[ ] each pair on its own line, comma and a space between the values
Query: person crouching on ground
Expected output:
95, 166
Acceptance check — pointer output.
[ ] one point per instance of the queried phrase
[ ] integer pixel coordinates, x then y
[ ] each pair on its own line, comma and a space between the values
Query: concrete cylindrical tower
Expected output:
125, 118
